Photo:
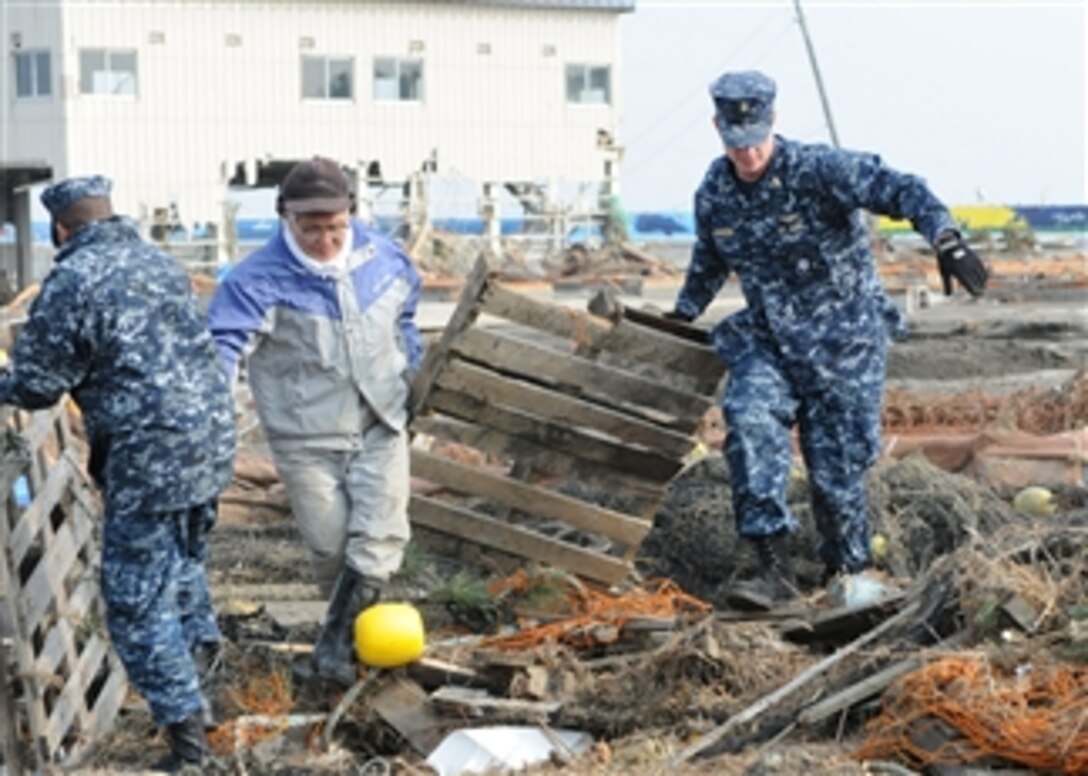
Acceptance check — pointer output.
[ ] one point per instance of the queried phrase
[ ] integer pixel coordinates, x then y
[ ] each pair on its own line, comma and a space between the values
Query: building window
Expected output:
327, 78
589, 84
105, 71
33, 75
398, 79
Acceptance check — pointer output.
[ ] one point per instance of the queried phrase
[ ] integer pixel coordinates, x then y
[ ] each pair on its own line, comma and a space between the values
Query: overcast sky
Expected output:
985, 99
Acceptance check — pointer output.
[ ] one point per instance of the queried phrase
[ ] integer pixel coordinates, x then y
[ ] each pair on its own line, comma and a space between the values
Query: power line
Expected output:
629, 169
701, 90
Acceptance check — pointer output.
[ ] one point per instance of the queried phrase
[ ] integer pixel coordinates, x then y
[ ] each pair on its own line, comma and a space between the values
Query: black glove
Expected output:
958, 261
676, 315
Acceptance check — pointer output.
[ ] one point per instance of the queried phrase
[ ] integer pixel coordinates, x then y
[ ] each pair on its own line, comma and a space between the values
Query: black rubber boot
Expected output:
334, 653
188, 746
775, 584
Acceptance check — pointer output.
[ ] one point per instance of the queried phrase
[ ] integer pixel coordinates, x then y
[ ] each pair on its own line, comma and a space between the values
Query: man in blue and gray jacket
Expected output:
324, 313
810, 347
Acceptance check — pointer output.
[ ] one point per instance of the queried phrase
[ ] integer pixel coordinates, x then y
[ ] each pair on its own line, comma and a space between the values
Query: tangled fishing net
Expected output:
962, 709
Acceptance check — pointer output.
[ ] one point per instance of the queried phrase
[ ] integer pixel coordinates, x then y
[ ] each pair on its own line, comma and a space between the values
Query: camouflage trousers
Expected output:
839, 431
158, 608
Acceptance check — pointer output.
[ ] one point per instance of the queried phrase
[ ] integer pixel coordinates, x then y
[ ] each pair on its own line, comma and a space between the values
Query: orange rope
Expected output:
1038, 719
267, 695
593, 609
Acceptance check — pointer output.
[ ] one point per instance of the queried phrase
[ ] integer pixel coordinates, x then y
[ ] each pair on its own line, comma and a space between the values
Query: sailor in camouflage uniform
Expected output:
116, 325
810, 346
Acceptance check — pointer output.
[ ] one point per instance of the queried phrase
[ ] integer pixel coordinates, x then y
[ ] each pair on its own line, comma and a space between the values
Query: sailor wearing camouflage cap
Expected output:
74, 202
744, 108
810, 347
117, 327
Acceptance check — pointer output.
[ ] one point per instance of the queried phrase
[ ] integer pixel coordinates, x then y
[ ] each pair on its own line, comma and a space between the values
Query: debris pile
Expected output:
966, 710
975, 657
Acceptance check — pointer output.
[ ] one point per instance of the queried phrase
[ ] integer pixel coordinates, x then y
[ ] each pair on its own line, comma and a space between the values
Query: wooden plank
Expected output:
48, 576
625, 338
69, 704
528, 498
405, 707
36, 426
675, 328
503, 445
632, 462
462, 377
464, 315
761, 706
9, 721
507, 354
109, 700
481, 702
51, 654
9, 724
843, 622
521, 542
39, 510
855, 693
873, 684
431, 672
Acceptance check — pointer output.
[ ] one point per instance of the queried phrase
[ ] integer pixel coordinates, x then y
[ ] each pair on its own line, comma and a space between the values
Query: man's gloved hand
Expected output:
956, 260
676, 315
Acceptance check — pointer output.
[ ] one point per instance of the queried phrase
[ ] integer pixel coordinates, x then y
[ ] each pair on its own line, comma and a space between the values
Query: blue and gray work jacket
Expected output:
322, 351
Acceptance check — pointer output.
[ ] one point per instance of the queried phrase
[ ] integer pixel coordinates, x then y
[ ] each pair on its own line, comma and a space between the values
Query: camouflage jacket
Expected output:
797, 240
117, 326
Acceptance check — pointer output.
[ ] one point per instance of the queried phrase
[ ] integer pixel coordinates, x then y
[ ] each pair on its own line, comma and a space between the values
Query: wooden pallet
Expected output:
63, 684
595, 405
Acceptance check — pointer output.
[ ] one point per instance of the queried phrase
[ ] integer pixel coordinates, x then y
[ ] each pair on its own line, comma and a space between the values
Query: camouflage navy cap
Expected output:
745, 107
60, 196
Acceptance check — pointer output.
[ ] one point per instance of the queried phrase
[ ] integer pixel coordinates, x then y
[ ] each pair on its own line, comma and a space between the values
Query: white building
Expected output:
176, 99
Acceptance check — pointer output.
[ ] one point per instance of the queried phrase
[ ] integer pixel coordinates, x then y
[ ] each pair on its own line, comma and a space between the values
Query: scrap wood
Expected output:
686, 636
431, 672
840, 623
1035, 716
480, 702
593, 609
405, 707
871, 685
767, 702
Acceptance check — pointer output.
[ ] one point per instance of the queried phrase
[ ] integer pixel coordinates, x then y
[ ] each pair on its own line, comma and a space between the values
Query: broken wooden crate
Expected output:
60, 682
587, 417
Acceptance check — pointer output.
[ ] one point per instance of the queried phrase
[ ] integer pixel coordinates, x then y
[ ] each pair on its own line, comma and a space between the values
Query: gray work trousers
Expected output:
351, 506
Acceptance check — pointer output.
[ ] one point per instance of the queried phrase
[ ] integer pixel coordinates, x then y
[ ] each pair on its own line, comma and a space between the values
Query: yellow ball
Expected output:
389, 635
1035, 501
879, 546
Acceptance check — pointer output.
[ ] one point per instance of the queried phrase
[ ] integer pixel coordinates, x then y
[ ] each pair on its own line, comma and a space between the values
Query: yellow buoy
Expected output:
1035, 501
879, 547
389, 635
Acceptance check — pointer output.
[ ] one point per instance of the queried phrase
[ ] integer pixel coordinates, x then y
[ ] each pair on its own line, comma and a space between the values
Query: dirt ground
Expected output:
641, 717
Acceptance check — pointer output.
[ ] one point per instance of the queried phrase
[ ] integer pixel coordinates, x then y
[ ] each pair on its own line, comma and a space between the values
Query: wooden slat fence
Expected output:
61, 685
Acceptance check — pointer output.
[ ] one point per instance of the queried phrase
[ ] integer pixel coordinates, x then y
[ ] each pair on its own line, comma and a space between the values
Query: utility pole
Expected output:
816, 74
